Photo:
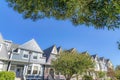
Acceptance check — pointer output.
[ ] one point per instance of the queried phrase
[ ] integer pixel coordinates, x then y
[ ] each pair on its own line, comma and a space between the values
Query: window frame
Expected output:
24, 53
35, 56
29, 69
37, 70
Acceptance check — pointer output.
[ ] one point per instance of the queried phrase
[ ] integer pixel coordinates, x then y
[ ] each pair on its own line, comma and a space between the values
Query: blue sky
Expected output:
62, 33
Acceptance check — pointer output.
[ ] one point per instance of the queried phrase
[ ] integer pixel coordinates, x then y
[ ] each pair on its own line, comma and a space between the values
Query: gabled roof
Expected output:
102, 58
31, 45
59, 49
85, 52
4, 52
72, 50
49, 51
94, 56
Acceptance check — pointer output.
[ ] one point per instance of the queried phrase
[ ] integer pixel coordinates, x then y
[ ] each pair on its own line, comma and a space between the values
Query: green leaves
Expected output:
69, 63
101, 74
4, 75
117, 72
98, 13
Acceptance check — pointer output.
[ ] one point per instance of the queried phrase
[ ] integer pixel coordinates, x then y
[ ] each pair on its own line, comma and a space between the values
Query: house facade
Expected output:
26, 60
101, 64
30, 62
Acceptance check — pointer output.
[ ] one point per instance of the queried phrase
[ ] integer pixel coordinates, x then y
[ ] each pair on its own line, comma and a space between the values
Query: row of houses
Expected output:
30, 62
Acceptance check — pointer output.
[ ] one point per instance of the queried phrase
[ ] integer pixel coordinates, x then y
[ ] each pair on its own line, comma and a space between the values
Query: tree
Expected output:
101, 74
5, 75
117, 72
98, 13
86, 77
117, 67
111, 73
69, 63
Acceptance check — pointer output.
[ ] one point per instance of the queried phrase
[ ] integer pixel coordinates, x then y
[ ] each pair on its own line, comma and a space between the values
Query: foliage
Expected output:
69, 63
101, 74
110, 73
117, 67
117, 72
99, 13
5, 75
86, 77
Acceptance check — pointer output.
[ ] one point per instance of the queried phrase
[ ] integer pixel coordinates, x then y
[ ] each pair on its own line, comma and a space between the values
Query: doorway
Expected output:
19, 71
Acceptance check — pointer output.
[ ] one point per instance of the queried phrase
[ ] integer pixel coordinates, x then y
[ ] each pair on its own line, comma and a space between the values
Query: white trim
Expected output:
1, 46
25, 53
19, 50
35, 56
1, 66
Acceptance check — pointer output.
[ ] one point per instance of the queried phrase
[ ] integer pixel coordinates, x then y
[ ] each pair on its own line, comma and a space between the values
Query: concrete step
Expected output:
18, 79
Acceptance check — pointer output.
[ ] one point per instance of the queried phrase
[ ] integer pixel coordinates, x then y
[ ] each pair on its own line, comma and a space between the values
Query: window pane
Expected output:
28, 71
25, 55
34, 71
35, 67
29, 67
12, 68
34, 57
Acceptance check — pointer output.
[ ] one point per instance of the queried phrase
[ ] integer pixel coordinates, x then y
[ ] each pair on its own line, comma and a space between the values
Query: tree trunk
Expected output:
67, 78
77, 76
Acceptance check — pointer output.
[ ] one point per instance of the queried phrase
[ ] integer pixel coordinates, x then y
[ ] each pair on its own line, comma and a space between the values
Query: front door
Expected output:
19, 72
52, 73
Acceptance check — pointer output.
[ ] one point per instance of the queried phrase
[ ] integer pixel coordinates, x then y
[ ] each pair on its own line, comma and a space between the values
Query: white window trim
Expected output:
35, 54
29, 69
25, 57
33, 58
25, 54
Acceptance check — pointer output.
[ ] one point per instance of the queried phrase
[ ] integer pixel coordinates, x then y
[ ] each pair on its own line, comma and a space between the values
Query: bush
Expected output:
86, 77
5, 75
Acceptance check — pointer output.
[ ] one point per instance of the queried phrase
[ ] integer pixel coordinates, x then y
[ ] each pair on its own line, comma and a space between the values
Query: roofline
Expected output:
30, 50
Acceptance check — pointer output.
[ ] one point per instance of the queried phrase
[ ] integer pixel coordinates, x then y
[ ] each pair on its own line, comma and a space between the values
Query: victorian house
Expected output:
30, 62
25, 60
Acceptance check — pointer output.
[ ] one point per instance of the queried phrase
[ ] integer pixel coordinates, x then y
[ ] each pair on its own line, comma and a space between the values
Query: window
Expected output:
35, 70
34, 57
29, 70
25, 54
12, 68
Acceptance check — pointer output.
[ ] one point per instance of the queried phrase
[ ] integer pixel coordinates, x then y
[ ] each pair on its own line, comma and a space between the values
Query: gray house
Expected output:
25, 60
